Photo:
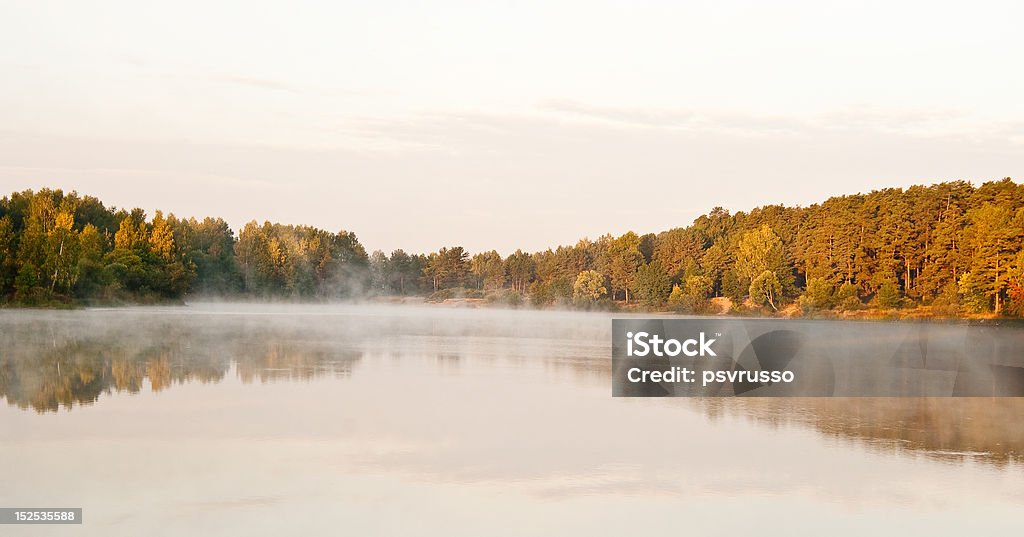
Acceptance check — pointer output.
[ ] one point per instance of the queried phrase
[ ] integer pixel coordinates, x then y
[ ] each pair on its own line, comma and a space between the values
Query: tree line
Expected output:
951, 247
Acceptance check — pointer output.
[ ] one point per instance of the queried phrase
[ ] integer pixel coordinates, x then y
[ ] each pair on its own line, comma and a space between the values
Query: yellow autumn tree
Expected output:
62, 252
161, 238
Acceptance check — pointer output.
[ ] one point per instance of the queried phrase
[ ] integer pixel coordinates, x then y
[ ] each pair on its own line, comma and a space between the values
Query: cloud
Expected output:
918, 122
268, 84
251, 82
735, 123
925, 122
627, 116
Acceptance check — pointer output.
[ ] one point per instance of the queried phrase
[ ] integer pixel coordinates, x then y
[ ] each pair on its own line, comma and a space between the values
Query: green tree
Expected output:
713, 263
519, 267
693, 296
91, 278
889, 295
209, 246
761, 251
625, 260
652, 284
973, 293
8, 266
765, 289
847, 297
488, 270
994, 236
698, 287
255, 258
589, 286
37, 224
817, 295
448, 267
299, 261
403, 270
677, 298
26, 281
678, 249
380, 271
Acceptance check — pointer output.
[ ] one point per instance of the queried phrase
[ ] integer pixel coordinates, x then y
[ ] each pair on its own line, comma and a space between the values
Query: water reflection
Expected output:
56, 360
945, 429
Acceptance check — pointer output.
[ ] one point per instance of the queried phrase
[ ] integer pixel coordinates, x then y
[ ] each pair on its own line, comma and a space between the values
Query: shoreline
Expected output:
920, 313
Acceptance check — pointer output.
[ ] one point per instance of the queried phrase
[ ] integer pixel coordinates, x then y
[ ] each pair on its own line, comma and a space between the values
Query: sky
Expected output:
502, 125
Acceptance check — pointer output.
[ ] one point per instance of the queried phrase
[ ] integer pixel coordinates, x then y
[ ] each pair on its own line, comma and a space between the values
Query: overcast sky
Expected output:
494, 125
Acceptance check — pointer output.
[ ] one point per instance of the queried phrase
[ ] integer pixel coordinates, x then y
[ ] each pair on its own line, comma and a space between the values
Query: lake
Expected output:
366, 419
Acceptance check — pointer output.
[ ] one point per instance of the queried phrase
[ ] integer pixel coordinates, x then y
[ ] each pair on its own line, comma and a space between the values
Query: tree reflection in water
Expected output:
47, 366
52, 362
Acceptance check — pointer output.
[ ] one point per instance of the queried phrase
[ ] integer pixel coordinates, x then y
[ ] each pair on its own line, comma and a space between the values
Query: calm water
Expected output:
375, 420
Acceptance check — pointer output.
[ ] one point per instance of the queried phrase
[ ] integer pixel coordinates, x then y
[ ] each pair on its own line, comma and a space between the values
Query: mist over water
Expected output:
419, 420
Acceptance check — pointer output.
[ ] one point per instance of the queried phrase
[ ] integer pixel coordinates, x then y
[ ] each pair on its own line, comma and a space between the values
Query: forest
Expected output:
948, 249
